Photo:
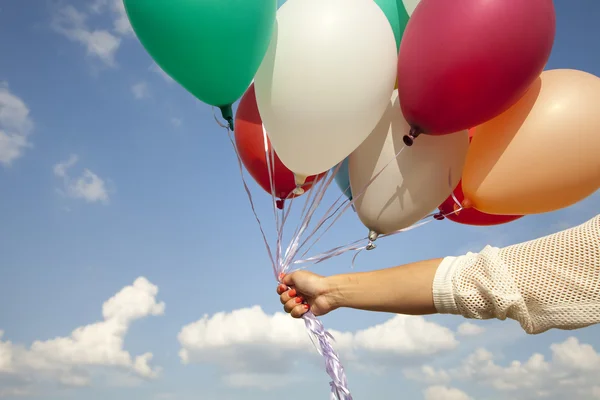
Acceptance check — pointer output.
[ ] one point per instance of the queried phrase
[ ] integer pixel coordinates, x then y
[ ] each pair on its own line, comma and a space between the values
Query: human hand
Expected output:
302, 291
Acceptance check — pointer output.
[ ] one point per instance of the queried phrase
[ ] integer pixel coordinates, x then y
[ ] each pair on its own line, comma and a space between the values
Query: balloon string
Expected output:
320, 338
249, 194
353, 247
336, 251
294, 247
355, 197
269, 155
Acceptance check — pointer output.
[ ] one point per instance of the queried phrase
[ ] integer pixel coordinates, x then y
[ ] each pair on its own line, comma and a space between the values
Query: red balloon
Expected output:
250, 143
464, 62
471, 216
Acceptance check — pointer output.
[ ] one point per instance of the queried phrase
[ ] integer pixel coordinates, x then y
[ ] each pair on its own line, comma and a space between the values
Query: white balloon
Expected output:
411, 186
325, 81
410, 5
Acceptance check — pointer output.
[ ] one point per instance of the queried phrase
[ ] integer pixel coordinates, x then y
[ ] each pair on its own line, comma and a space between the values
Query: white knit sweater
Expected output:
551, 282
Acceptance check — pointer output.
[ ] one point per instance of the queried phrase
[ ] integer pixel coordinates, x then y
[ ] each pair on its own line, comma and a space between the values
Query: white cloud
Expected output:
74, 360
99, 43
88, 186
571, 372
470, 329
102, 44
15, 126
121, 23
251, 347
444, 393
428, 375
140, 90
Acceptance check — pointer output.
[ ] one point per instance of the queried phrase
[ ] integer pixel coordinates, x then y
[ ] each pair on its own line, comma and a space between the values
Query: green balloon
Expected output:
396, 13
213, 48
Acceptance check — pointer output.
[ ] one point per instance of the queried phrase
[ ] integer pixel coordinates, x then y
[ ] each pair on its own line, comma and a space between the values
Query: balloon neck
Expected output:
439, 216
279, 203
414, 133
227, 114
300, 182
372, 238
466, 203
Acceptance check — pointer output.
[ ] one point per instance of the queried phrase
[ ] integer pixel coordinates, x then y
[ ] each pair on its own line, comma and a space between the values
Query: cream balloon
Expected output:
412, 185
325, 81
410, 5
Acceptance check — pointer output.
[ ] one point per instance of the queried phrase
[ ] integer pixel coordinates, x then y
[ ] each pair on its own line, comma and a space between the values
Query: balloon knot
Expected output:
439, 216
227, 114
466, 203
412, 135
279, 204
457, 208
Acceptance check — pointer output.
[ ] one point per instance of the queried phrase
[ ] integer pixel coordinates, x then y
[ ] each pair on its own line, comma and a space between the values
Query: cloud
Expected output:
470, 329
15, 126
101, 44
444, 393
428, 375
571, 372
74, 360
121, 24
88, 186
251, 347
140, 90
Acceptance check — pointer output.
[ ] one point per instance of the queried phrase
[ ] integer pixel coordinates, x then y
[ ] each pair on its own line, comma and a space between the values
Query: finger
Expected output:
299, 310
289, 306
281, 289
287, 295
288, 279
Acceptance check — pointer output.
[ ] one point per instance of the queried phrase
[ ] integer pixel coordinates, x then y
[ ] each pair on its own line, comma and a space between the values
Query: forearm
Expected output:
405, 289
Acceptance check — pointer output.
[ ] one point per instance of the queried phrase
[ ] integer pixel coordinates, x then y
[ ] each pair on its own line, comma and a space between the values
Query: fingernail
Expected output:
282, 287
292, 292
306, 306
299, 300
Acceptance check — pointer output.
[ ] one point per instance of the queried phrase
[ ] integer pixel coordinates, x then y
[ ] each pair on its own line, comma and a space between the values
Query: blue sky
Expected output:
117, 184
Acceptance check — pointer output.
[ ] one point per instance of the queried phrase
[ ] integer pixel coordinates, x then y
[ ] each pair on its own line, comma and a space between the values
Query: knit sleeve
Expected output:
551, 282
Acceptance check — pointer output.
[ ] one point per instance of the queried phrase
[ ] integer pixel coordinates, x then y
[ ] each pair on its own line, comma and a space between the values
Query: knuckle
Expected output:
289, 306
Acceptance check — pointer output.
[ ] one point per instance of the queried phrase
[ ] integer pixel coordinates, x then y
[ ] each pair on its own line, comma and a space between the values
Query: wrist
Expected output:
337, 289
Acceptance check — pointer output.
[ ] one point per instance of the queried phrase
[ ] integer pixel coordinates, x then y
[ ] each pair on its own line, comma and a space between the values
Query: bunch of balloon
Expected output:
255, 151
541, 154
379, 96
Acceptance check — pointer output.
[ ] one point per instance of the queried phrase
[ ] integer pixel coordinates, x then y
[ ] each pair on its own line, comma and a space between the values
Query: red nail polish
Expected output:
299, 300
306, 306
292, 293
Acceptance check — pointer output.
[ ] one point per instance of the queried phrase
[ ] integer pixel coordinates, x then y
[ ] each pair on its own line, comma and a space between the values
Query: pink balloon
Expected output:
464, 62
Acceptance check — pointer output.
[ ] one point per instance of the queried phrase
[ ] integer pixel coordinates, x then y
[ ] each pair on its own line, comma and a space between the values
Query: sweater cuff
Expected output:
443, 296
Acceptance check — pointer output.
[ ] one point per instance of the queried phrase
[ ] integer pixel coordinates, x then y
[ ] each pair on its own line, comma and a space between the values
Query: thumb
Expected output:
288, 279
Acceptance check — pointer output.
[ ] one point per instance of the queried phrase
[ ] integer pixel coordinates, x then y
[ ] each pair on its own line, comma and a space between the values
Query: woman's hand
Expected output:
302, 291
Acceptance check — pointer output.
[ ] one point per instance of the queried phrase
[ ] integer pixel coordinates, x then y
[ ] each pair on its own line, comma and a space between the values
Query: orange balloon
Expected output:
542, 154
